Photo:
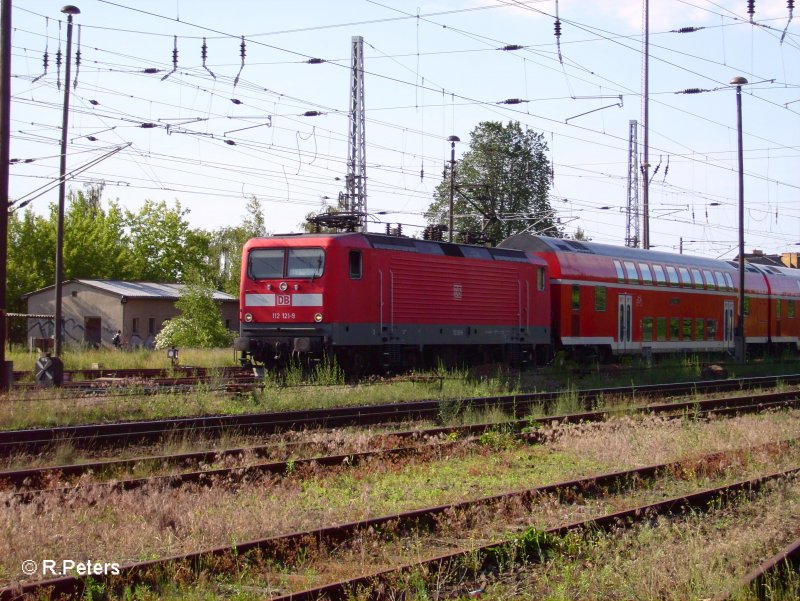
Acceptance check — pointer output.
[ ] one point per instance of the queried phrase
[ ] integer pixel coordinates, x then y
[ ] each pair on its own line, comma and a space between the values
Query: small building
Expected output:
94, 310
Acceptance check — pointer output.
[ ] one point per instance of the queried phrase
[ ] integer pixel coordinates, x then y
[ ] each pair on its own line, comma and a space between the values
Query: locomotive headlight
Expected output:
248, 317
283, 286
318, 317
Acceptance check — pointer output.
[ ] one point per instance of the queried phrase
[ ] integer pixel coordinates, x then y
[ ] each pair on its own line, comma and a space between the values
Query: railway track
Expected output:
29, 481
149, 431
283, 548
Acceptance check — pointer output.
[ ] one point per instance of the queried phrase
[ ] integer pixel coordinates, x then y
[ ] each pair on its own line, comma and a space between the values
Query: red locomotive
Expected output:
374, 301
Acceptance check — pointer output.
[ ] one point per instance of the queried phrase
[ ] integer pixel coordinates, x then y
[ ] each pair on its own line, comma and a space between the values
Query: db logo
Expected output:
283, 300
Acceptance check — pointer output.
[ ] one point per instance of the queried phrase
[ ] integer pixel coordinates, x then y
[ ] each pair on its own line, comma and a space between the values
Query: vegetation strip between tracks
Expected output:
331, 535
19, 478
786, 558
118, 433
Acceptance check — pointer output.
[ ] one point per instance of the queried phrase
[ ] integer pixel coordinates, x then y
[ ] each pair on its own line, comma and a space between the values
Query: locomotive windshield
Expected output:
275, 263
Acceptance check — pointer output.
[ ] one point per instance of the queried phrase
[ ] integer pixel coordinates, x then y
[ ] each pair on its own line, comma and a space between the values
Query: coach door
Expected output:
728, 324
624, 322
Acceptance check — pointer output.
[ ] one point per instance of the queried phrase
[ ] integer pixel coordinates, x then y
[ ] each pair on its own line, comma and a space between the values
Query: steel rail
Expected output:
122, 433
280, 547
787, 558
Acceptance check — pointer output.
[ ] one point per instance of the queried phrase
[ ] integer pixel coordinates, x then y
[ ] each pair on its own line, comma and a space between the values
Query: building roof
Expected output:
144, 290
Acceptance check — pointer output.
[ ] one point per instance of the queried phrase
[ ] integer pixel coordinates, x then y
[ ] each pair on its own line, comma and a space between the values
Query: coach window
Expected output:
620, 273
698, 329
747, 305
576, 297
686, 279
355, 265
600, 296
661, 279
540, 278
674, 328
698, 278
647, 329
687, 328
790, 309
661, 328
729, 280
709, 279
647, 276
778, 308
305, 263
630, 270
672, 273
720, 280
711, 329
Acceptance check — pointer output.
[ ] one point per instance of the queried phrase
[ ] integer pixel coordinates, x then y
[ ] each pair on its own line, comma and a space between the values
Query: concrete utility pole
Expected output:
5, 155
68, 10
740, 346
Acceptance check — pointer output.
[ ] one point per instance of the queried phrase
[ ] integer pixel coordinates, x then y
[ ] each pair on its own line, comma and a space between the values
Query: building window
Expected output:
151, 325
576, 298
600, 296
135, 325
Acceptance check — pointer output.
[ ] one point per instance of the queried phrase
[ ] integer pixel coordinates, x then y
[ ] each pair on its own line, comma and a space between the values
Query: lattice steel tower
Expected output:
632, 223
356, 155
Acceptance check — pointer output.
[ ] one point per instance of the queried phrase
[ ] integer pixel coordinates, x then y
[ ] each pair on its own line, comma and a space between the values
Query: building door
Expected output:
624, 322
91, 331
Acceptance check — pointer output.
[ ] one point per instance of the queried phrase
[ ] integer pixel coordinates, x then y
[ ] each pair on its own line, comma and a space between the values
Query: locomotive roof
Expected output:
534, 243
430, 247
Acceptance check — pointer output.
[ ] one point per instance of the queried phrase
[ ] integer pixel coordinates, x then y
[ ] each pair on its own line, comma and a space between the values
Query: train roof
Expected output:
428, 247
532, 243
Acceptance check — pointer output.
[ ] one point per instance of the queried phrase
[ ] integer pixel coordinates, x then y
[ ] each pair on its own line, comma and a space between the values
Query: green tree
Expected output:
95, 243
163, 246
502, 184
225, 248
200, 324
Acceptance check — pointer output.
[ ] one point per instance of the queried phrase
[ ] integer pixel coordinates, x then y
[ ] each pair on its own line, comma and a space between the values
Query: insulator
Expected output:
148, 125
312, 114
388, 229
151, 70
751, 8
204, 51
512, 47
511, 101
692, 91
315, 61
790, 4
93, 102
230, 142
399, 229
687, 29
91, 138
236, 101
242, 49
558, 28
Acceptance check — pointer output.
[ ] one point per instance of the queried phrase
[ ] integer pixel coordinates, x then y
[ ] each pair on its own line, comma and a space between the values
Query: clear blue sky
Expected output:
432, 69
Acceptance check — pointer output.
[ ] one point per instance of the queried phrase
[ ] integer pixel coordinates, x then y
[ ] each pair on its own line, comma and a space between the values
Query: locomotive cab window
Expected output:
356, 269
305, 263
265, 263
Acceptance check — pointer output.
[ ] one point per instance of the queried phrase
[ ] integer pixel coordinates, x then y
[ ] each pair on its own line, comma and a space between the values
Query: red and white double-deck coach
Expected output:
622, 300
373, 301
